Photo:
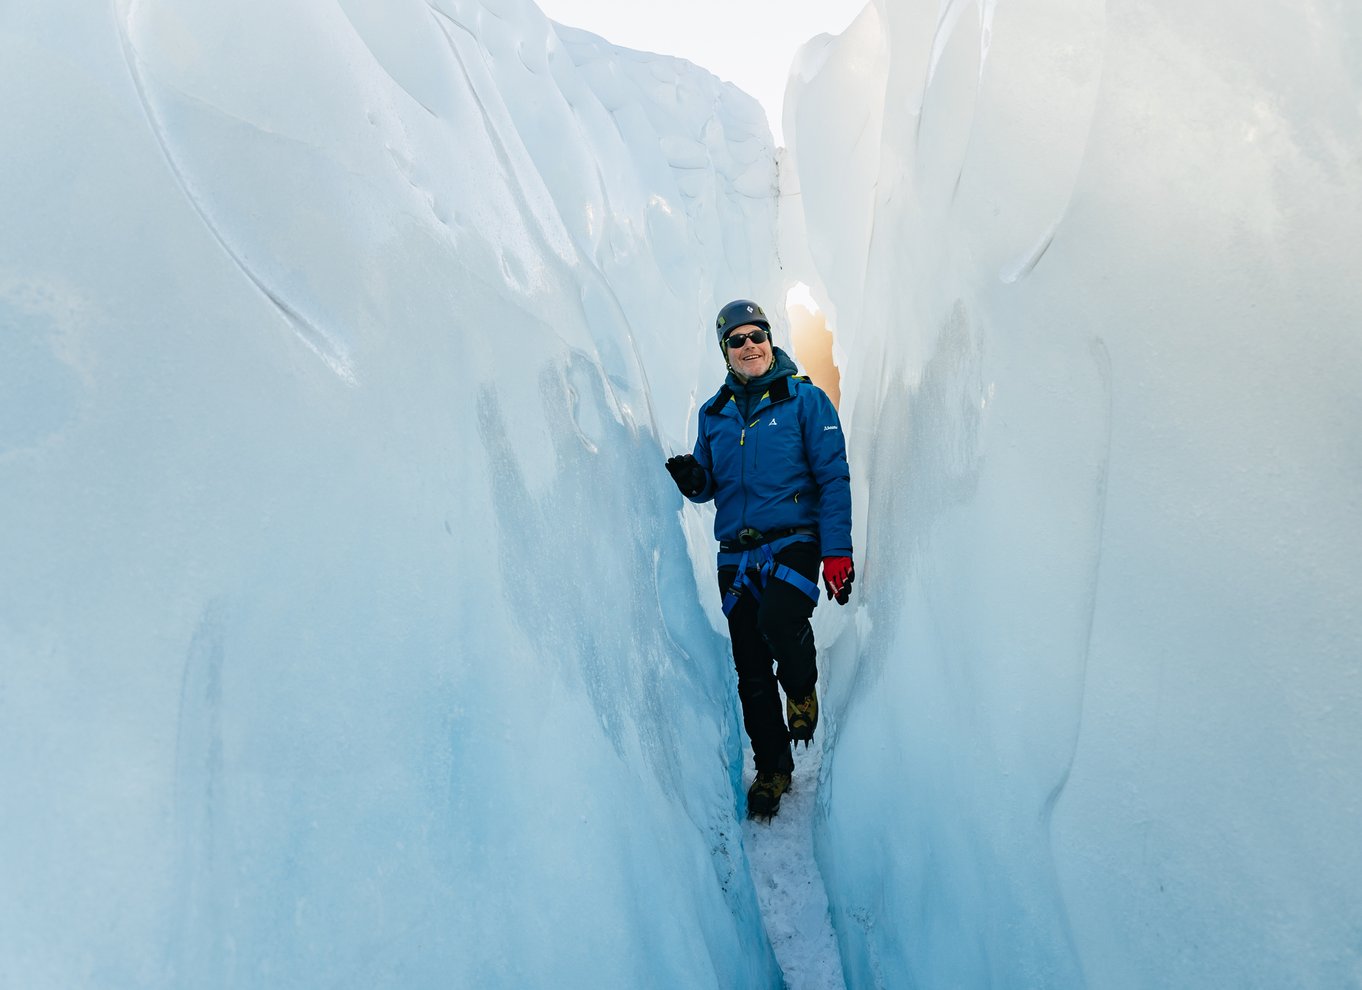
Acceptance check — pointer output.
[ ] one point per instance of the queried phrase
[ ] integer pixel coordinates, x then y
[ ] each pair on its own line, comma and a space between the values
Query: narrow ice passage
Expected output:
790, 891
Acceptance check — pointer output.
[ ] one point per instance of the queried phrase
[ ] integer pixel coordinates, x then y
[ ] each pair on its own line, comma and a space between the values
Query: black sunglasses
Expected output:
738, 339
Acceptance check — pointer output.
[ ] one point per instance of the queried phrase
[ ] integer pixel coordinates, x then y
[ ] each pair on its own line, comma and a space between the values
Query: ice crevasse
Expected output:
351, 634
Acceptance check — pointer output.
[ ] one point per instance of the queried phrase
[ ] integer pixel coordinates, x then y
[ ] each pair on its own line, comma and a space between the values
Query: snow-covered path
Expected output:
790, 890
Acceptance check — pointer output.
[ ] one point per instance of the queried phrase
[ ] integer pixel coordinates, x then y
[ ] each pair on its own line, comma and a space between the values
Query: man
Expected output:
770, 452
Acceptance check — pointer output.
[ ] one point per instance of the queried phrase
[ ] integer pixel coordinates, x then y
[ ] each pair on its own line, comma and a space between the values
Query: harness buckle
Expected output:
750, 538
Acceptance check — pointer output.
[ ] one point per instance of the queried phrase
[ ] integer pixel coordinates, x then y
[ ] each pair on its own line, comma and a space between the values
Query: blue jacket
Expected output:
783, 464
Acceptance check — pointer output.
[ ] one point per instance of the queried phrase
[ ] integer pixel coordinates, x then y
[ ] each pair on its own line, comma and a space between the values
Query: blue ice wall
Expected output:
348, 628
1092, 269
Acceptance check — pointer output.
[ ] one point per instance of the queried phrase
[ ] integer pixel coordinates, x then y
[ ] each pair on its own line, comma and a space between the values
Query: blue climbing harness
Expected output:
761, 562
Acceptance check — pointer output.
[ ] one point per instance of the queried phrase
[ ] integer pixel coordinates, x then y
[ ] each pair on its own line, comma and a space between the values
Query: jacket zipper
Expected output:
742, 461
742, 477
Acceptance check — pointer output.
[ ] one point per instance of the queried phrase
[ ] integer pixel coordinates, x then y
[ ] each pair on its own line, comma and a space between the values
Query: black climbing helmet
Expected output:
738, 313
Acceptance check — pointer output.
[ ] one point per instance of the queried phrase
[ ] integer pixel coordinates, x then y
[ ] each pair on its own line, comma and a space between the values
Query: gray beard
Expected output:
744, 379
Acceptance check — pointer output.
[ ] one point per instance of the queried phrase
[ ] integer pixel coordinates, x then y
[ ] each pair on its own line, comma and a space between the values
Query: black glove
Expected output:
689, 476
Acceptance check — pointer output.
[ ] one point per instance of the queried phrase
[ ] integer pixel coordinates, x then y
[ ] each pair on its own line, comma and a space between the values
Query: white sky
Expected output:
747, 42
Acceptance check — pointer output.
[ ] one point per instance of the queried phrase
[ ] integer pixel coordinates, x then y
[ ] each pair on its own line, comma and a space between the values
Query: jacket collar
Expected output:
775, 382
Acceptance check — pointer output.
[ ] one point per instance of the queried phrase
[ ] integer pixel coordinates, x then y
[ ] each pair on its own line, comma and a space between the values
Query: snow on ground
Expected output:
794, 903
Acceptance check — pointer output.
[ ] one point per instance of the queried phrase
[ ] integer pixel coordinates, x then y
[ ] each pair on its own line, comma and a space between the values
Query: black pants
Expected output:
775, 630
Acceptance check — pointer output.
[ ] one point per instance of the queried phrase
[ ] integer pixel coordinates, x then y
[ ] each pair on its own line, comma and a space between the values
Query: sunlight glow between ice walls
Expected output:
812, 338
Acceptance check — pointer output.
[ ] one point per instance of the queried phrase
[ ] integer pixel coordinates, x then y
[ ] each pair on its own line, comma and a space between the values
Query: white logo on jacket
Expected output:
826, 428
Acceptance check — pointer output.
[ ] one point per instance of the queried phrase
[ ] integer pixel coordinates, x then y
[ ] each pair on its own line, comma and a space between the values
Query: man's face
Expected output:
750, 359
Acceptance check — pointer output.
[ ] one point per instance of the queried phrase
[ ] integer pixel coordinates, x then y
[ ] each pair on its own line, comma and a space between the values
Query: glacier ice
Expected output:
349, 629
1092, 274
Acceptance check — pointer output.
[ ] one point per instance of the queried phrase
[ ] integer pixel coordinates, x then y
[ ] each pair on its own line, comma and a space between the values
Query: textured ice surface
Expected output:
1093, 270
348, 633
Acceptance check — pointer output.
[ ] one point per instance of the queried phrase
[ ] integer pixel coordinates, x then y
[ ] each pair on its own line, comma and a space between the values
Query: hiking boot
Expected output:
763, 797
802, 716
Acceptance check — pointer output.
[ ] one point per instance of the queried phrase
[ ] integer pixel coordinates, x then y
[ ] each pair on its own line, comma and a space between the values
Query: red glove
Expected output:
837, 577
